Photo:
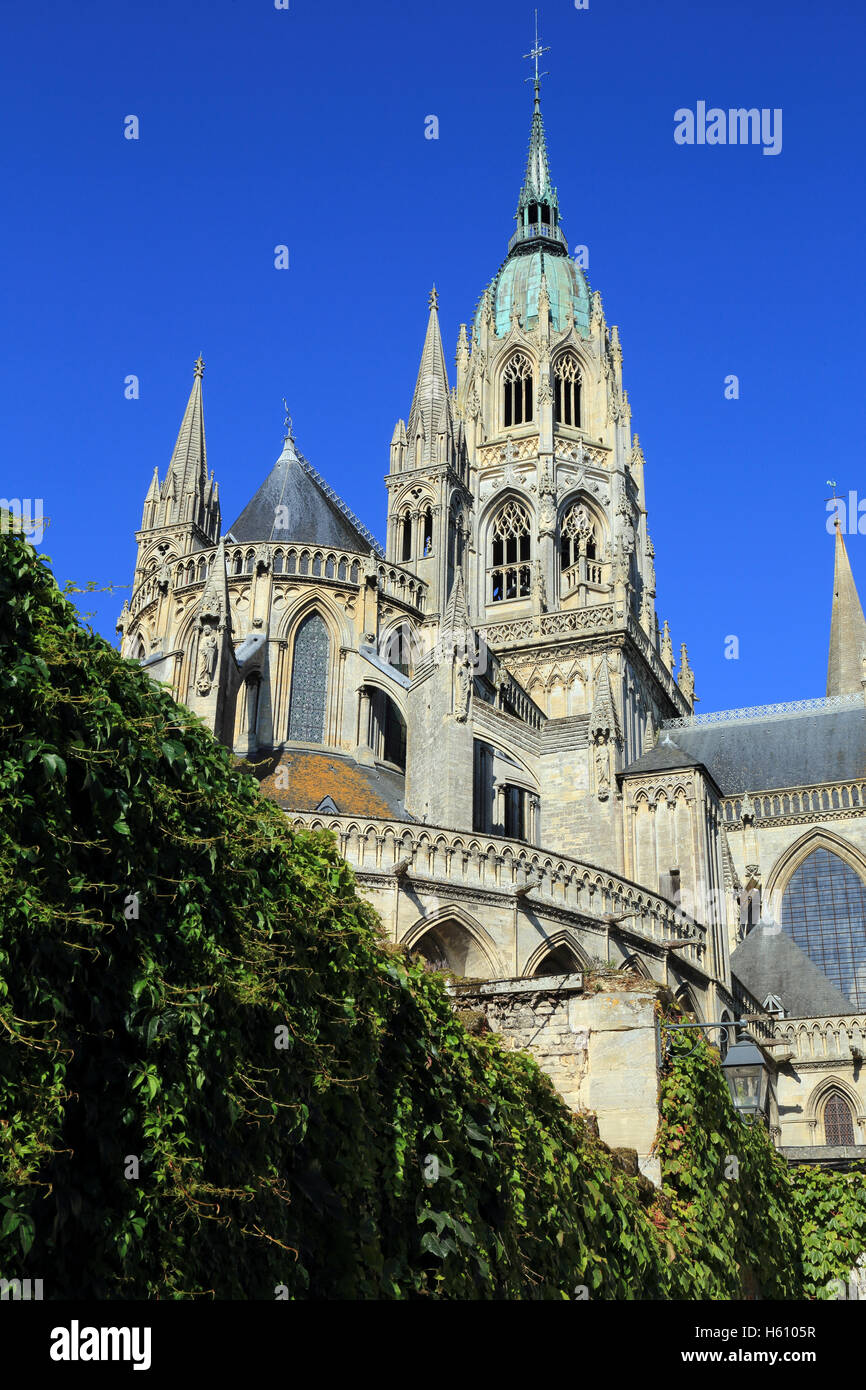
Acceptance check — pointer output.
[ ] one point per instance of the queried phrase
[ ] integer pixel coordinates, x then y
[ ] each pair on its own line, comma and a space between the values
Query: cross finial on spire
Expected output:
287, 422
535, 53
433, 301
832, 483
199, 366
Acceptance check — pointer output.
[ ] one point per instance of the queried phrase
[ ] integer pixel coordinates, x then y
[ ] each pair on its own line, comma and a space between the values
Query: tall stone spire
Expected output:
847, 663
187, 470
430, 415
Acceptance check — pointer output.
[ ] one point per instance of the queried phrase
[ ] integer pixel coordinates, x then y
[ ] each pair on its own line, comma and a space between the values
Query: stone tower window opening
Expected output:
517, 391
309, 690
387, 729
249, 561
838, 1121
427, 532
237, 563
579, 549
406, 536
567, 381
278, 562
510, 553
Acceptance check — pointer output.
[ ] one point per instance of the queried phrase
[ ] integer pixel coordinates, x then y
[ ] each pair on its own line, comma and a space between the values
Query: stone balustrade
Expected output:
492, 864
822, 1039
291, 562
807, 802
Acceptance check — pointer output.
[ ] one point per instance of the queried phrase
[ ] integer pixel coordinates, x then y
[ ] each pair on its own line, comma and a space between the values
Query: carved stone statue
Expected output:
464, 690
207, 657
602, 765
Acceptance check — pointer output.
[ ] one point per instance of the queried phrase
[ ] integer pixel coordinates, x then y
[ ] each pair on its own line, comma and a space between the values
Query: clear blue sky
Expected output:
306, 127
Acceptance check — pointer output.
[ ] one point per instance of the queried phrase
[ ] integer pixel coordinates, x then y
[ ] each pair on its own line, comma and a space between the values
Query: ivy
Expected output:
187, 982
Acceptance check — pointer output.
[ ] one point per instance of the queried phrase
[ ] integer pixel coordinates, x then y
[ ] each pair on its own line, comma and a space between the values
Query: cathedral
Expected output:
488, 714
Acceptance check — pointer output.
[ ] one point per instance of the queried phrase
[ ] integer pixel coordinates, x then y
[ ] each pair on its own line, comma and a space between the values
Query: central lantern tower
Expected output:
526, 479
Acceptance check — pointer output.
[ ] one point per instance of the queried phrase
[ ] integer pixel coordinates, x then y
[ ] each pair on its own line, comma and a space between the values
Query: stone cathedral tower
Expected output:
526, 479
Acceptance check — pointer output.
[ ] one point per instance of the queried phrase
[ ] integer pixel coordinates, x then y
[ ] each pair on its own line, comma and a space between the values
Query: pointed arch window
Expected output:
838, 1120
406, 536
309, 691
578, 535
427, 538
824, 910
567, 381
517, 391
579, 549
510, 553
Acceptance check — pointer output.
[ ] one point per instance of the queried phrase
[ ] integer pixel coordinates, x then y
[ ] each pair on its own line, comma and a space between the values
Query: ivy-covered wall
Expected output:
216, 1080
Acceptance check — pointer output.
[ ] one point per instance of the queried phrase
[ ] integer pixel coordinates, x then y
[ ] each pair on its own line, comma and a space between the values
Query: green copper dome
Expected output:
518, 284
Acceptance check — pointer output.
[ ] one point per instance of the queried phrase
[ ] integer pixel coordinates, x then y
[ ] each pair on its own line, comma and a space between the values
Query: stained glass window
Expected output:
838, 1121
309, 681
824, 910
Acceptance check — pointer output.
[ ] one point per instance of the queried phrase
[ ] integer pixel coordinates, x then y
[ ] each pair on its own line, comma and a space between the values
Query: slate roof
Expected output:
795, 749
769, 962
311, 515
354, 788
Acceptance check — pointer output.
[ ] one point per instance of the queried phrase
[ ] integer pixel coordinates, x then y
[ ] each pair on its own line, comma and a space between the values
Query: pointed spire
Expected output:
455, 619
151, 502
603, 719
187, 471
686, 676
431, 407
667, 652
846, 667
537, 186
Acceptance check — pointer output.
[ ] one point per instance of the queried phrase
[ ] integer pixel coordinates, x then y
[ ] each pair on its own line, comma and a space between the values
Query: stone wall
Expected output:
597, 1045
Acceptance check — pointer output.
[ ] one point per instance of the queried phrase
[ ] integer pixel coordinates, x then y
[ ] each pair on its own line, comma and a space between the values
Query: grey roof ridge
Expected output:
337, 500
760, 714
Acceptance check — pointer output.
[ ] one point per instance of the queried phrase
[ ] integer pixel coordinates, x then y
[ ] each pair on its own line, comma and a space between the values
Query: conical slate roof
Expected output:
770, 962
845, 670
293, 505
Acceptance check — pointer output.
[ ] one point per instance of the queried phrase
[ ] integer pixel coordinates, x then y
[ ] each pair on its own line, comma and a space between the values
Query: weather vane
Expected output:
287, 422
535, 53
